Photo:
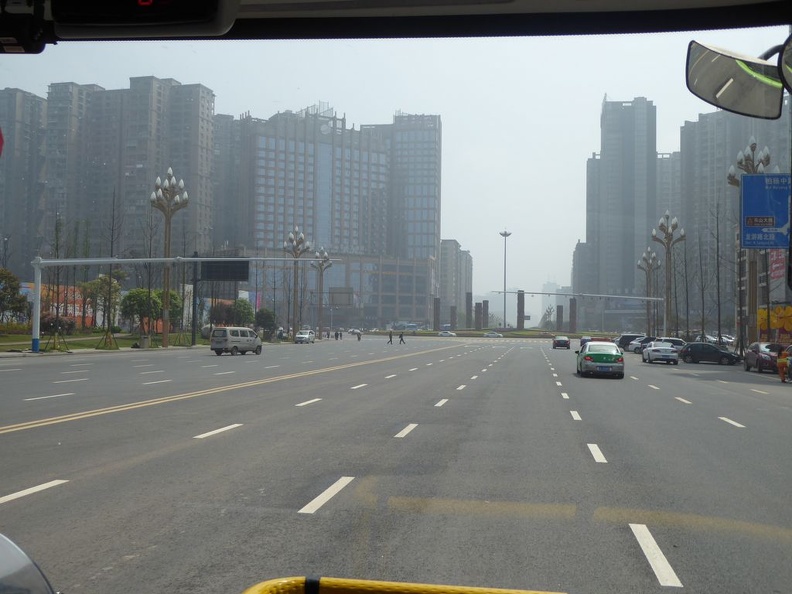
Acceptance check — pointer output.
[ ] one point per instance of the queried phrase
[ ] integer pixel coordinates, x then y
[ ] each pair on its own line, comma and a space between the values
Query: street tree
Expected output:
12, 302
141, 306
266, 320
243, 314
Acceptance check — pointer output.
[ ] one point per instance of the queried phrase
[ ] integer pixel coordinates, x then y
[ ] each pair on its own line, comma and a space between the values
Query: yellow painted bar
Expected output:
328, 585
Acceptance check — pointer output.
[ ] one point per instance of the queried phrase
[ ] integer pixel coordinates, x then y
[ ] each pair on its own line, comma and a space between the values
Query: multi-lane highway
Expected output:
482, 462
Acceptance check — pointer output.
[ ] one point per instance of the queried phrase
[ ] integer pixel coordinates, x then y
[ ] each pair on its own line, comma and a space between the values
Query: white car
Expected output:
304, 337
446, 333
493, 335
663, 352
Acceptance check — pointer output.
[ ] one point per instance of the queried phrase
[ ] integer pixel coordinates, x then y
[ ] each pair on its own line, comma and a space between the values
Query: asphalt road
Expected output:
482, 462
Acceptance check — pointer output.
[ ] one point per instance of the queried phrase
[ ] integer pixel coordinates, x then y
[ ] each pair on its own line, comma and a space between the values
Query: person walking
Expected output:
390, 337
401, 338
783, 364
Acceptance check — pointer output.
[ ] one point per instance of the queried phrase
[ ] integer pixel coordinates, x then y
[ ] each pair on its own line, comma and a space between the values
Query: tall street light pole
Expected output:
321, 264
295, 245
649, 263
504, 234
169, 197
749, 161
667, 228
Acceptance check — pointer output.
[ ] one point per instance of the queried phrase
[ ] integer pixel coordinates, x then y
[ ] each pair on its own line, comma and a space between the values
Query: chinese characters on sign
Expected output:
765, 211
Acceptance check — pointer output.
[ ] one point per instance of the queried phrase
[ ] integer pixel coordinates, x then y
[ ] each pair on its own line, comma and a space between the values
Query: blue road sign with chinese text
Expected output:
764, 221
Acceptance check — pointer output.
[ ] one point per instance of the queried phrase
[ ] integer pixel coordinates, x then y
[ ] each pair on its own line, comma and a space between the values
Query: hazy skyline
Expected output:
520, 115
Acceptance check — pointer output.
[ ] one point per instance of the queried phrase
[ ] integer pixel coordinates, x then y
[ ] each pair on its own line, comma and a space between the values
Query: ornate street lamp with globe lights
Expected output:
322, 263
296, 245
751, 162
649, 263
168, 197
668, 241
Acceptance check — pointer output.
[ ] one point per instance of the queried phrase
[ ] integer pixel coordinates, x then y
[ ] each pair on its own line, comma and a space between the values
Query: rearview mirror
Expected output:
18, 572
740, 84
785, 63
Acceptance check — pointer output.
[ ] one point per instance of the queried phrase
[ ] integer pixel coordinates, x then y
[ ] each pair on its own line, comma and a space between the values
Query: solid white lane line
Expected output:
205, 366
216, 431
683, 400
406, 430
392, 375
12, 369
474, 377
660, 565
53, 396
442, 402
224, 372
30, 491
271, 366
735, 423
328, 494
358, 386
575, 415
82, 379
633, 377
597, 453
483, 370
759, 391
428, 364
150, 372
462, 387
157, 382
75, 371
138, 366
564, 395
653, 387
307, 402
413, 369
80, 364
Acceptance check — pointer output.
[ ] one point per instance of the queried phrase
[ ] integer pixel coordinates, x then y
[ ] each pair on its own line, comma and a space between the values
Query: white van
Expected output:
235, 340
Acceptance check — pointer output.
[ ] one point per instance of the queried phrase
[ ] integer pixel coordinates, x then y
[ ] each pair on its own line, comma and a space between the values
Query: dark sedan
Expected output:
697, 352
561, 342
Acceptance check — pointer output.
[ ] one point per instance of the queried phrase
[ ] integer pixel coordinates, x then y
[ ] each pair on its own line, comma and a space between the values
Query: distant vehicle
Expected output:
584, 340
235, 340
762, 356
659, 351
446, 333
678, 343
561, 342
625, 339
492, 334
637, 345
304, 337
600, 358
354, 331
697, 352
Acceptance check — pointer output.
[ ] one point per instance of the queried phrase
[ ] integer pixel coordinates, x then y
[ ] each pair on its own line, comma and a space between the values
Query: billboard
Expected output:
764, 217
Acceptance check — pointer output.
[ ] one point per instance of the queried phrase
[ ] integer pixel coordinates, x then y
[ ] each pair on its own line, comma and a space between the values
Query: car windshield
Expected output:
152, 190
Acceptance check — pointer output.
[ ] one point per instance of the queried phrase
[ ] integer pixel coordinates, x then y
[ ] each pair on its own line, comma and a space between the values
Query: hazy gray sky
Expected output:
520, 115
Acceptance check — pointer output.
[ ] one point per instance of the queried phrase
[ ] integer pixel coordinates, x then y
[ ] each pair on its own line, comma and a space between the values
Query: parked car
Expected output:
660, 351
561, 342
492, 334
697, 352
446, 333
235, 340
762, 356
304, 337
600, 358
624, 340
677, 343
637, 345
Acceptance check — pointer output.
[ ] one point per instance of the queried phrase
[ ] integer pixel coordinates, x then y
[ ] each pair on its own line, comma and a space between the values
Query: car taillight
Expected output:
587, 358
620, 360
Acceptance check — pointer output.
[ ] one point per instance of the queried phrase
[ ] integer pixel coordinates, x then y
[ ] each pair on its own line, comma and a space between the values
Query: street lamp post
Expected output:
504, 234
295, 245
169, 197
322, 263
749, 161
649, 263
668, 241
